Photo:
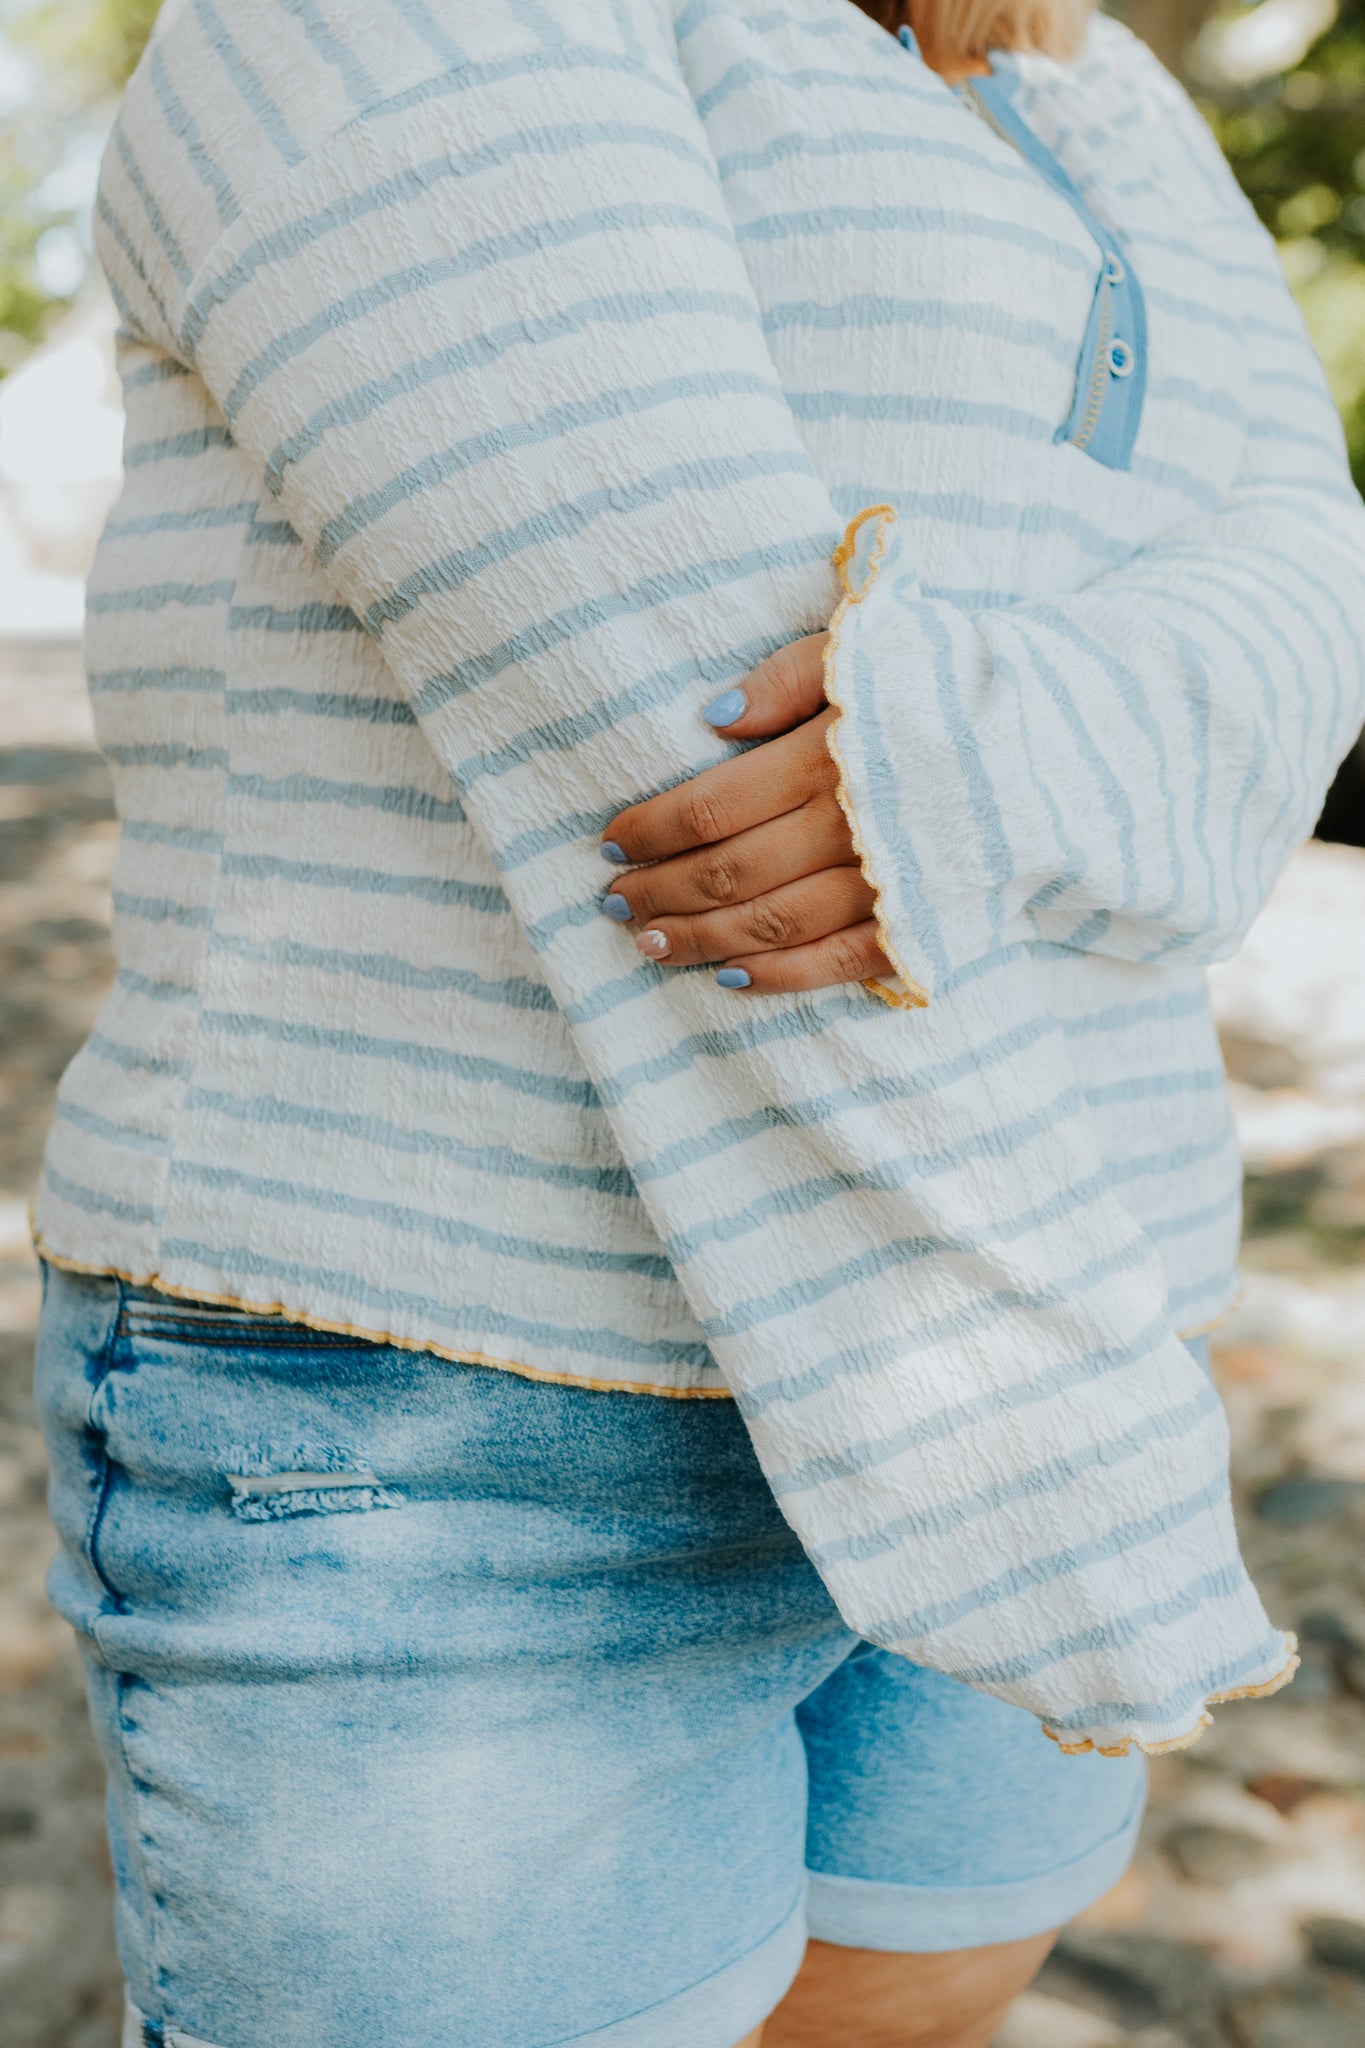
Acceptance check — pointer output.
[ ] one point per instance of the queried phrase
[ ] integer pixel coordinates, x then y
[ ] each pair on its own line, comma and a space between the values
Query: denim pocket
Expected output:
267, 1356
210, 1324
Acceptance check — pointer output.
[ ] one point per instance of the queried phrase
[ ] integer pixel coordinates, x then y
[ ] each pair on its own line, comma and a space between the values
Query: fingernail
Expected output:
733, 977
616, 908
656, 944
609, 850
724, 710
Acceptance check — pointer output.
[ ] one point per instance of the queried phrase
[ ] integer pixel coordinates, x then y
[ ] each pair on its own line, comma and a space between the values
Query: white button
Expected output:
1114, 270
1120, 359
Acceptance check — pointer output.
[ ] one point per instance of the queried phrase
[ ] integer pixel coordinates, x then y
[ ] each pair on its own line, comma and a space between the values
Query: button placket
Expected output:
1111, 375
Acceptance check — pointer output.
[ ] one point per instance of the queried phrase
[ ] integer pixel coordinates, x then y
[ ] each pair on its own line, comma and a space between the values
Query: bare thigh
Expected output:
868, 1998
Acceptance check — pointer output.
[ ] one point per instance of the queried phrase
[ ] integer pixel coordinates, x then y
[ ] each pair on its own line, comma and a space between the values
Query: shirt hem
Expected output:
1214, 1322
285, 1312
307, 1320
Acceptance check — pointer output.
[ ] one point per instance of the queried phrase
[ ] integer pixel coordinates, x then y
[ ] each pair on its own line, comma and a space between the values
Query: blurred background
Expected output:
1242, 1924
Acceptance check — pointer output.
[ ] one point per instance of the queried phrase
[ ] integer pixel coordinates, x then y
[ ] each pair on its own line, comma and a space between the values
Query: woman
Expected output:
499, 381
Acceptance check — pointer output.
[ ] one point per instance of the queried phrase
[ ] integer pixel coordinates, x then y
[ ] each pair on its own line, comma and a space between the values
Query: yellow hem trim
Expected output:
1214, 1322
283, 1313
529, 1372
1191, 1735
913, 996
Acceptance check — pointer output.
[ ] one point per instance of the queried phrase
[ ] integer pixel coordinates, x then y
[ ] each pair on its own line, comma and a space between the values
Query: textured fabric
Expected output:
1107, 408
482, 1714
501, 379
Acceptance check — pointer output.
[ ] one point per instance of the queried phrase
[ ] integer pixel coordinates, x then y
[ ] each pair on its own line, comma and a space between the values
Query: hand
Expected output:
752, 862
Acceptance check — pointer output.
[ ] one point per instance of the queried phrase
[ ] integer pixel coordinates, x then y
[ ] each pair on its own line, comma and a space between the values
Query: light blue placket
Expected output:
1111, 379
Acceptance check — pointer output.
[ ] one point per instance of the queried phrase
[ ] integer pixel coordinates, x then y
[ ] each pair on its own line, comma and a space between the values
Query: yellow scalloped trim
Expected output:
1214, 1322
285, 1314
912, 996
1191, 1735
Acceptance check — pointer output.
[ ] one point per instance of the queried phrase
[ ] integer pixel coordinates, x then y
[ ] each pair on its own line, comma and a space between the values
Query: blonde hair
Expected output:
957, 31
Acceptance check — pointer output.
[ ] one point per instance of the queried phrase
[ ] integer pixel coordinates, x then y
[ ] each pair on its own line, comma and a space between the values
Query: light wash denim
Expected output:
449, 1708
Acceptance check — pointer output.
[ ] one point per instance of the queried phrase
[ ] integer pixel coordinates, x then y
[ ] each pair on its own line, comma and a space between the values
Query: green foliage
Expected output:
77, 54
24, 304
93, 44
1296, 142
1297, 145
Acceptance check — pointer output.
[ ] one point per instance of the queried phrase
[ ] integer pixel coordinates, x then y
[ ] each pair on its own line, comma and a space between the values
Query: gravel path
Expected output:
1242, 1923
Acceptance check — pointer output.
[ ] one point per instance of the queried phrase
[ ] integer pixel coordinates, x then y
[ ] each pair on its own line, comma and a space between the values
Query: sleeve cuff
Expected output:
869, 542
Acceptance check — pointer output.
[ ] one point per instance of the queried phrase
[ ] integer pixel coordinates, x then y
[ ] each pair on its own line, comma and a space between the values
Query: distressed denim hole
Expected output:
254, 1500
327, 1482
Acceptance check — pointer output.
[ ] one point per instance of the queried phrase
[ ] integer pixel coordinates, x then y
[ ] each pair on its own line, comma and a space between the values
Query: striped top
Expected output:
500, 378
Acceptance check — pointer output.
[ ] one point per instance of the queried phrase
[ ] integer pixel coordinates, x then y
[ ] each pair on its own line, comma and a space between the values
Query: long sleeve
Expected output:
492, 345
1124, 769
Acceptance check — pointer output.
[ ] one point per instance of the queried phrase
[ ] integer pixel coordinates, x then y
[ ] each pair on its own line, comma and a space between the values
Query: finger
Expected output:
744, 791
783, 691
801, 842
850, 955
791, 916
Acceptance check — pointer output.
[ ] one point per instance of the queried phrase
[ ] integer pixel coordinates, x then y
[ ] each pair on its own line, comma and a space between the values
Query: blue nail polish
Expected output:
724, 710
733, 977
616, 907
609, 850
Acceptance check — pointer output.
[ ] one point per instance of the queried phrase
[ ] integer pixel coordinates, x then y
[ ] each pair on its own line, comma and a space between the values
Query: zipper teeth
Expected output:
1094, 403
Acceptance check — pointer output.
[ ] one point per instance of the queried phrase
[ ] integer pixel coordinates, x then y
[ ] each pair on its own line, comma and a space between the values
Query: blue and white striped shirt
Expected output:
500, 379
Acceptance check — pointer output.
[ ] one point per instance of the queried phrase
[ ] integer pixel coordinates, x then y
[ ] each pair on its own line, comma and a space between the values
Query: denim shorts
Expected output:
451, 1708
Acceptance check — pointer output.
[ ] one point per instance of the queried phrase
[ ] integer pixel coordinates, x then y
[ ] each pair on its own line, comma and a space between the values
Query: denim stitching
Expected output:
153, 2031
103, 1366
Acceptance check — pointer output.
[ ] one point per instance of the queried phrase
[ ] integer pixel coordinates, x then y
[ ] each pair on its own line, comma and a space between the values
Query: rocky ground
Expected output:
1242, 1924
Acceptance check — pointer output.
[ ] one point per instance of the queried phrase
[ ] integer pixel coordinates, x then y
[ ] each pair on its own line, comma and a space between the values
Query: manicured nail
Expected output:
609, 850
617, 908
656, 944
733, 977
724, 710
